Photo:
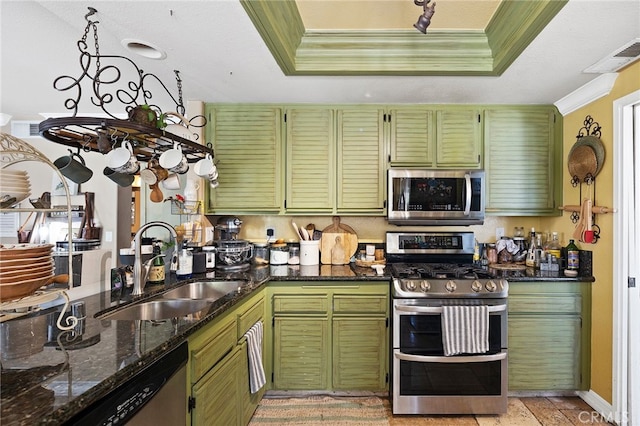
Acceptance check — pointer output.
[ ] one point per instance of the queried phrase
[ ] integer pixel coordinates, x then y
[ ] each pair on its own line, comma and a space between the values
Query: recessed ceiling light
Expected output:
144, 48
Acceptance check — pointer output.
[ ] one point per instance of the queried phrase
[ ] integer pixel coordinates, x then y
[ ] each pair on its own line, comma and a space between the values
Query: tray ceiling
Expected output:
303, 41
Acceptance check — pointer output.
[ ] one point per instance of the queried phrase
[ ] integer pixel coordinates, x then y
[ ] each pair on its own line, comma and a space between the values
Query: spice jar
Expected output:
279, 254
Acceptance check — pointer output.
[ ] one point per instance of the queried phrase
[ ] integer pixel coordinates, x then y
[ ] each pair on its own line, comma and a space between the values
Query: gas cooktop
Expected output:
439, 270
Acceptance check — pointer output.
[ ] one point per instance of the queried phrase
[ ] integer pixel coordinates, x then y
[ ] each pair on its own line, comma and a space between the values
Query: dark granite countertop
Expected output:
49, 375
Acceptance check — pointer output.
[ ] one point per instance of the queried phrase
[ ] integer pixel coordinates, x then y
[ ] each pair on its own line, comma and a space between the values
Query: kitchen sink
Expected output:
158, 309
207, 290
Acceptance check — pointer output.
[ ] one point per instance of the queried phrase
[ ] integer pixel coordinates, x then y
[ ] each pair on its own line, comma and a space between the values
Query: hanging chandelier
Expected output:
425, 19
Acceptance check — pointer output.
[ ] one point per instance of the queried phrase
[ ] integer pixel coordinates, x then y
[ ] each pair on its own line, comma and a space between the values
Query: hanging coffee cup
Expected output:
172, 182
121, 179
123, 160
205, 167
174, 160
72, 169
154, 173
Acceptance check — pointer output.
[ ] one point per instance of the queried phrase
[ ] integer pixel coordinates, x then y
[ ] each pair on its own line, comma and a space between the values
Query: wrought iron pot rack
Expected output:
111, 91
147, 141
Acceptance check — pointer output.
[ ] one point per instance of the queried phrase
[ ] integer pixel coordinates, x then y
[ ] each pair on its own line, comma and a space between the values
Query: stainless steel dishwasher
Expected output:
155, 396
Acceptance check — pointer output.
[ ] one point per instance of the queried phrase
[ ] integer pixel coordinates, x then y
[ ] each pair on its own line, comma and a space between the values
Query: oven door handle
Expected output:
467, 202
451, 359
438, 309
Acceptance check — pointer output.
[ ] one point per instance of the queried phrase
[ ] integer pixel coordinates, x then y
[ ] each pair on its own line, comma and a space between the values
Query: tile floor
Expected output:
529, 411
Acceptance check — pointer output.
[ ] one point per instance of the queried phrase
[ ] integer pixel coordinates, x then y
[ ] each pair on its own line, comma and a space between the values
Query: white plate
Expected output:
5, 172
15, 188
13, 179
19, 196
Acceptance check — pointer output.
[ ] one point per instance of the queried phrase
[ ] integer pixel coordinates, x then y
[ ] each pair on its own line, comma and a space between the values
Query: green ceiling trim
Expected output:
526, 19
402, 52
280, 26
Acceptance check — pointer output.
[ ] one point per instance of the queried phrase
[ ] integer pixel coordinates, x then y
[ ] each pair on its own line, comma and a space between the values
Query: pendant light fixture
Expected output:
425, 19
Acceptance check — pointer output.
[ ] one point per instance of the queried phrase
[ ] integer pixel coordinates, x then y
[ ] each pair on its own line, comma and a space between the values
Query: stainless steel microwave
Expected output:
436, 197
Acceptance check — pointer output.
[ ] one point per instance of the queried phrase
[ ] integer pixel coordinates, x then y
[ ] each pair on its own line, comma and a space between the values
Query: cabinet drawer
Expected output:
318, 304
555, 303
206, 356
370, 304
247, 319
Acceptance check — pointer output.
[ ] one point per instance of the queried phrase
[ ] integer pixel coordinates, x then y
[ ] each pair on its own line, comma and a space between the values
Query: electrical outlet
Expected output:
499, 233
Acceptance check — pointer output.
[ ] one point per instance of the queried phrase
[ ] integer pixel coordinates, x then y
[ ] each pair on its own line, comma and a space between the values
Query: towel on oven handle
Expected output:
254, 350
465, 329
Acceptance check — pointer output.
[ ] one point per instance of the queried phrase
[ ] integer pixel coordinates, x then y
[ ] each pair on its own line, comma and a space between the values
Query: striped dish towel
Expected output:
465, 329
254, 350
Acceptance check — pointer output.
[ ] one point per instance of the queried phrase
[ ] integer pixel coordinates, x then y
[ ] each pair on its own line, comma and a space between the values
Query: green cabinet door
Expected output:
549, 336
311, 178
458, 138
412, 136
544, 352
359, 353
523, 150
217, 396
361, 161
300, 353
247, 145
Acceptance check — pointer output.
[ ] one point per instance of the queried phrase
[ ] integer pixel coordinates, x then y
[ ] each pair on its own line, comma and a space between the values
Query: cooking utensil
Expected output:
311, 228
305, 234
156, 194
298, 232
588, 234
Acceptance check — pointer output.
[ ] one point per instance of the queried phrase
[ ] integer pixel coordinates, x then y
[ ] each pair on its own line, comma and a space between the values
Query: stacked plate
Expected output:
24, 268
14, 187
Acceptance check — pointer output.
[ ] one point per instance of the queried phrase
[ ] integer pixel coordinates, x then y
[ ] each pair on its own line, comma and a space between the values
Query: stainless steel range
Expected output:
433, 271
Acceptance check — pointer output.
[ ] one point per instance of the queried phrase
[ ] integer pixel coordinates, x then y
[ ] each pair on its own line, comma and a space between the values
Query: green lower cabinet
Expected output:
301, 361
330, 336
217, 395
549, 336
359, 345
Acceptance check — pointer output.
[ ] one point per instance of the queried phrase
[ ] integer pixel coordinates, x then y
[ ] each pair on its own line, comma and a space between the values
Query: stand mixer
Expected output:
231, 254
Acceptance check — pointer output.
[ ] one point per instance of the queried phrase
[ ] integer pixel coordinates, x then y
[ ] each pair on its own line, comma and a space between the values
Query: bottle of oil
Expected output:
573, 256
554, 247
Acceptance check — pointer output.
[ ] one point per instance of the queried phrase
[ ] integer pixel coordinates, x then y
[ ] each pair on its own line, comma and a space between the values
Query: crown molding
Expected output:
595, 89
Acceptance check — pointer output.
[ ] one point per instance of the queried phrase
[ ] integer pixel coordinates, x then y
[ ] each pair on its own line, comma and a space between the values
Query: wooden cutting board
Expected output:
347, 236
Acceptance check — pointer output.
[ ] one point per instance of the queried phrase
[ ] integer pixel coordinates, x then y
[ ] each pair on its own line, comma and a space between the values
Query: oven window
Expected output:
422, 335
435, 378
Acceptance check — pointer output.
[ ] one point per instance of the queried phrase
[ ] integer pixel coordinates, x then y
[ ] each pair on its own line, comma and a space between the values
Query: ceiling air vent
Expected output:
24, 129
621, 57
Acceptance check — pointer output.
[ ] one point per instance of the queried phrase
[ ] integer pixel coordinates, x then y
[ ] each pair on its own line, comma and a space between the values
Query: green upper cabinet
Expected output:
311, 178
412, 136
361, 161
247, 143
523, 155
458, 138
335, 160
445, 137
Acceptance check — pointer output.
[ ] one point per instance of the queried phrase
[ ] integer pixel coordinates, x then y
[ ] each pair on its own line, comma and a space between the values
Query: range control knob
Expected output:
450, 286
410, 285
491, 286
476, 286
425, 286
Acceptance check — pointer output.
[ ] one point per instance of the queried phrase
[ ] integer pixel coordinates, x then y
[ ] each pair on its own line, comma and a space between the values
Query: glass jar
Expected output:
260, 254
294, 255
279, 254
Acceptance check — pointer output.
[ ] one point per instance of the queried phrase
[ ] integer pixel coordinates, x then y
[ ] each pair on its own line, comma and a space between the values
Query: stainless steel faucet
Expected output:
139, 274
